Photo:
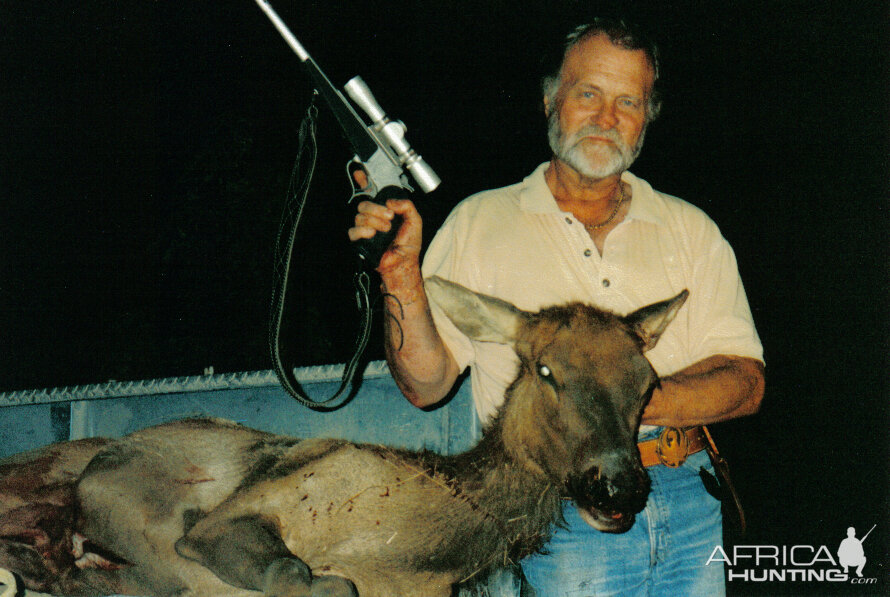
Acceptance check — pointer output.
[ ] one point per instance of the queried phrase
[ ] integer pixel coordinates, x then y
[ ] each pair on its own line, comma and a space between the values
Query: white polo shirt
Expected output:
514, 243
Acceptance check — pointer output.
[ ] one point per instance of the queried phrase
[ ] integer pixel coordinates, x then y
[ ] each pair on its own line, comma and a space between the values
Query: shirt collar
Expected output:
535, 197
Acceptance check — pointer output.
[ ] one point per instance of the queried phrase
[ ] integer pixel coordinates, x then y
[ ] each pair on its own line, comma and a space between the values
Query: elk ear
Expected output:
479, 316
650, 322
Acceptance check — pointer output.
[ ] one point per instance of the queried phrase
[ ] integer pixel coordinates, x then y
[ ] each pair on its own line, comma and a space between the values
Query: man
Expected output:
850, 552
581, 227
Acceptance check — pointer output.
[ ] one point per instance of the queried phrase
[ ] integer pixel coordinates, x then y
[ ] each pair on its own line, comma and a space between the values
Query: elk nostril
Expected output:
625, 492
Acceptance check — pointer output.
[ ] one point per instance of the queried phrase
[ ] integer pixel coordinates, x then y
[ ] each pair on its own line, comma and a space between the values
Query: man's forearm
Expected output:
419, 361
718, 388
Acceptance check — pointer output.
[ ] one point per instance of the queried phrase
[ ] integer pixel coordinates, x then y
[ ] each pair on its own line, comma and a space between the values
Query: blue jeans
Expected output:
664, 553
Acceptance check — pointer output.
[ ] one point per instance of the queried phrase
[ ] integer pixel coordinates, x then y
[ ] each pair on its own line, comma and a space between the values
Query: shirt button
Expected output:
588, 252
568, 220
606, 282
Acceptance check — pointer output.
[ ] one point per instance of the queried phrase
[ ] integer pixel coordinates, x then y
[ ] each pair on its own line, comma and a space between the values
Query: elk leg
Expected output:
280, 579
332, 586
287, 577
248, 553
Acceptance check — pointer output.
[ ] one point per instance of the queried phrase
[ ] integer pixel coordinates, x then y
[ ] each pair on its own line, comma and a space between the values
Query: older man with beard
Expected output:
583, 228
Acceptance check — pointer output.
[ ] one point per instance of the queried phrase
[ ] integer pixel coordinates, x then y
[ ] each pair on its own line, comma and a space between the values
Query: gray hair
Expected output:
621, 34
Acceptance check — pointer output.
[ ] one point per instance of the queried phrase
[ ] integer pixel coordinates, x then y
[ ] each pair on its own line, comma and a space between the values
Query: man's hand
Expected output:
371, 218
404, 252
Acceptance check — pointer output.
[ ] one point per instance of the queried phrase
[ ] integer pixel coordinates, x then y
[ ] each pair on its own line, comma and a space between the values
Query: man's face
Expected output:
598, 118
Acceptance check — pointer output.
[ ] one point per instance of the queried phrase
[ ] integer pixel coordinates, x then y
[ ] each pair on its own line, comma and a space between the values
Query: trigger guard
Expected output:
359, 195
352, 166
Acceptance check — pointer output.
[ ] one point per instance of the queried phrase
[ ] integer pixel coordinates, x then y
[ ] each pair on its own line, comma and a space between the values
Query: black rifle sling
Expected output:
298, 189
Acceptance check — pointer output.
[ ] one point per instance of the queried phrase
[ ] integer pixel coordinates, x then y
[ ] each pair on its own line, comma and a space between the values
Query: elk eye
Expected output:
546, 375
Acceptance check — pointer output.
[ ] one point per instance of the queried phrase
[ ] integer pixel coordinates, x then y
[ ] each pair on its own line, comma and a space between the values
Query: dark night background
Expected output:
146, 149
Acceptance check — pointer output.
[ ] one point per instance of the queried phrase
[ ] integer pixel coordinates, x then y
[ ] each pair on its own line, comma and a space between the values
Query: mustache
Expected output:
597, 131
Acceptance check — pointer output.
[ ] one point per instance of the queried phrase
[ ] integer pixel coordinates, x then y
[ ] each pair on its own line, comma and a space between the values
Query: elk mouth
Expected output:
607, 522
609, 504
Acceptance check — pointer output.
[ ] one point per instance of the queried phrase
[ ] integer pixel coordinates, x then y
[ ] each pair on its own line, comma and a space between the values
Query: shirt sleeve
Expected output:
443, 259
720, 320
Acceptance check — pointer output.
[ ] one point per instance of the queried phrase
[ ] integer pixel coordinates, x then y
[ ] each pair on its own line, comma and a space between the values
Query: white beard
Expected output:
602, 161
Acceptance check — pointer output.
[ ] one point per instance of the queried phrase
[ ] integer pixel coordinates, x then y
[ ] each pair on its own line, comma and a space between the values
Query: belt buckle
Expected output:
672, 447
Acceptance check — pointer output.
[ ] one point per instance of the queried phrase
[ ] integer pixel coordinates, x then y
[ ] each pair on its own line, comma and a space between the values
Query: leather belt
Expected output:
673, 446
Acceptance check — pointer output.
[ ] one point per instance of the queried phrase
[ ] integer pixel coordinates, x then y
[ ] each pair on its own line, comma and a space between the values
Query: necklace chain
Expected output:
614, 211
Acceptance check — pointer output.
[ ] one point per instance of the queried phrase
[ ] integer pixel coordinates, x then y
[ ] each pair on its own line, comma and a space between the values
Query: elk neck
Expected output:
517, 502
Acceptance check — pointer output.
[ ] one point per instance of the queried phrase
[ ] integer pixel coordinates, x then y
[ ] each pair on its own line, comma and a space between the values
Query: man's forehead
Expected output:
598, 53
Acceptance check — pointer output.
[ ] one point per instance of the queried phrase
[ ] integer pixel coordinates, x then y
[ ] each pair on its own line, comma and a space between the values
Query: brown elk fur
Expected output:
205, 507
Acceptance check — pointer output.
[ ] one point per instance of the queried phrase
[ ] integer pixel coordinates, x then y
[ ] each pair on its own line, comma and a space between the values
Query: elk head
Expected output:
573, 412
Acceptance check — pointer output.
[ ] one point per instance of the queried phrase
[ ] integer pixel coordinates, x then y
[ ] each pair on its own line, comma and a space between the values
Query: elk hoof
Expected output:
332, 586
287, 577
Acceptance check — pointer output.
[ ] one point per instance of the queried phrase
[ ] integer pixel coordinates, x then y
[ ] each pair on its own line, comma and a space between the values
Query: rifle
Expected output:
382, 152
381, 149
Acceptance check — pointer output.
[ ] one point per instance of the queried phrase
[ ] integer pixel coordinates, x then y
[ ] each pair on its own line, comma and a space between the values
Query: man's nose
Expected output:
605, 117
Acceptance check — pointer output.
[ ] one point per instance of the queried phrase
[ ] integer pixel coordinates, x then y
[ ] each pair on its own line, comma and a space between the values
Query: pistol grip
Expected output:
370, 250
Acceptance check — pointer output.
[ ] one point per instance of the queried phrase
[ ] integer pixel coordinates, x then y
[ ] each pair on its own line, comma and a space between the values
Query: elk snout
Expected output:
610, 492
